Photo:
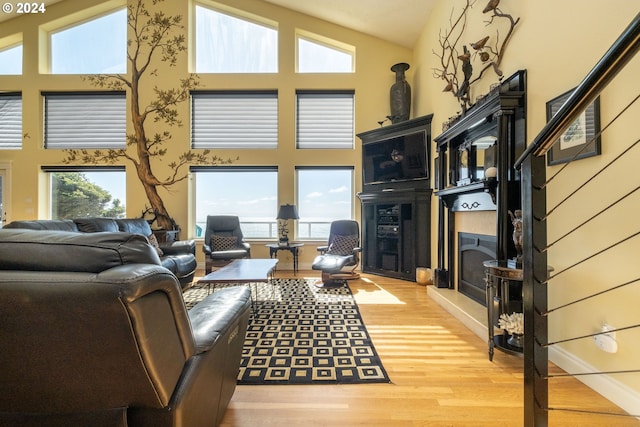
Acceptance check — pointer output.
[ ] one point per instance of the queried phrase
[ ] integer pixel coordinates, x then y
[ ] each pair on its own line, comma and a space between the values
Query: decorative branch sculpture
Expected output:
152, 37
492, 55
450, 57
453, 61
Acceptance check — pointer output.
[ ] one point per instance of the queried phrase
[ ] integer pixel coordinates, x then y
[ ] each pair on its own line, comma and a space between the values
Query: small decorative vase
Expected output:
400, 95
516, 340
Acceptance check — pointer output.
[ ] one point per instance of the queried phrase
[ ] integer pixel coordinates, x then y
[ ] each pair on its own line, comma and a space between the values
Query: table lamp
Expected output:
286, 212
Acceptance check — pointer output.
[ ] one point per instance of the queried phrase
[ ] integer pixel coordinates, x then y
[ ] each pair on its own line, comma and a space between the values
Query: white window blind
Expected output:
234, 120
85, 120
324, 120
10, 121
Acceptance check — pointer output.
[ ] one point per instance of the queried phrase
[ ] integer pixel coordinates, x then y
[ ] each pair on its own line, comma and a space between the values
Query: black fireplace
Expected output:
473, 249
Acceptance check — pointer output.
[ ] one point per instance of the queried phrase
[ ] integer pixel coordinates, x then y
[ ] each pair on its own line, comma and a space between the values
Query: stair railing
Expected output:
559, 257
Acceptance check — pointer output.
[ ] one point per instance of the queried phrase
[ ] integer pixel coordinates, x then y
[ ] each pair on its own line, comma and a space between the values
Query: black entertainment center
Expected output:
396, 198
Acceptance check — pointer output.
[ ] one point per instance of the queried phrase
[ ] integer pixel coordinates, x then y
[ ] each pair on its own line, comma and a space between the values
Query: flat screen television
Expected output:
402, 158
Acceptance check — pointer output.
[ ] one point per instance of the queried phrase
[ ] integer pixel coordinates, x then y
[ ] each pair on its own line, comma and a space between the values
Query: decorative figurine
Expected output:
516, 220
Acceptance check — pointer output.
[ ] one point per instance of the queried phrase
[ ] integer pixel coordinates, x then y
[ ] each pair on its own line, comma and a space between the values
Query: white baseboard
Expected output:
613, 390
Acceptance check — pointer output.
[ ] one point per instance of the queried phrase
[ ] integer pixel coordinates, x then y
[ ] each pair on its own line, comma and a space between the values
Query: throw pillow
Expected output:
223, 243
154, 242
343, 245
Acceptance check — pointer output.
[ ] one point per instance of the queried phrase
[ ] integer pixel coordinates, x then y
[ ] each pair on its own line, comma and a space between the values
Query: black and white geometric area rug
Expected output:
302, 334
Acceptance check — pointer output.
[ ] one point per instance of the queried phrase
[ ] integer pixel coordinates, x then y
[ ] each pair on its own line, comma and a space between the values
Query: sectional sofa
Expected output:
178, 257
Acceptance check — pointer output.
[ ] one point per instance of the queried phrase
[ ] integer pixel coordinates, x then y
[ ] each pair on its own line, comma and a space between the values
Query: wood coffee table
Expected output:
246, 270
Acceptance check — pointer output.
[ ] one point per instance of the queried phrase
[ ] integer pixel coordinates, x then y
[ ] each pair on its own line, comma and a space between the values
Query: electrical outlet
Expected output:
606, 341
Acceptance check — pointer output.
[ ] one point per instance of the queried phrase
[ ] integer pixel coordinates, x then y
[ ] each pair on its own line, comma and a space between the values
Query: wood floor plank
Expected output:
439, 370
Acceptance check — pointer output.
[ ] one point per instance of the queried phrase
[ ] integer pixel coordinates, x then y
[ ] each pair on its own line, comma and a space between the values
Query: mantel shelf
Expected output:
461, 197
480, 186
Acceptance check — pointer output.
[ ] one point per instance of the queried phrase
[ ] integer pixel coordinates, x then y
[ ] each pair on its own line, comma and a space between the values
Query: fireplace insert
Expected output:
473, 249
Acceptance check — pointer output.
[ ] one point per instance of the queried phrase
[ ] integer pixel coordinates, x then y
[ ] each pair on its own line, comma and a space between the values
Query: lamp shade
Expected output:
287, 212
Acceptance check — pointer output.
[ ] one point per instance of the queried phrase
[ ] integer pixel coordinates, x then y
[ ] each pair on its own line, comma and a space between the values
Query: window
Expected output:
324, 119
85, 120
228, 44
10, 121
86, 191
325, 194
251, 193
234, 119
315, 56
11, 60
95, 47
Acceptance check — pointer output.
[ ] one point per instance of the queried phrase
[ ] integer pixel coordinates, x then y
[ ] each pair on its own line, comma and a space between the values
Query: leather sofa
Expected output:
95, 332
178, 257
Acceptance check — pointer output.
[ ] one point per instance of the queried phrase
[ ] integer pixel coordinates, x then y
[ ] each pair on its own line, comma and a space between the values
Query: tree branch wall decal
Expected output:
152, 35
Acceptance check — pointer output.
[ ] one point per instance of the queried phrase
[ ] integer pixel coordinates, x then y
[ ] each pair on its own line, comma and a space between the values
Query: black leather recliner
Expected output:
94, 331
342, 250
223, 241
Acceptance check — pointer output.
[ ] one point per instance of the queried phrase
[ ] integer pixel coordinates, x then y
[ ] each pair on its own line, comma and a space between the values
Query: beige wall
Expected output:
558, 43
371, 82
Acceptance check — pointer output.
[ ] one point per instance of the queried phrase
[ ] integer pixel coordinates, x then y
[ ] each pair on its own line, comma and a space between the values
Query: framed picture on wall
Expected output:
579, 140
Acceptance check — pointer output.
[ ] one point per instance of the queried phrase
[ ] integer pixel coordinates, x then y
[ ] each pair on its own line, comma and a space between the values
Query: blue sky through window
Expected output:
317, 58
225, 44
95, 47
113, 182
11, 60
252, 196
324, 195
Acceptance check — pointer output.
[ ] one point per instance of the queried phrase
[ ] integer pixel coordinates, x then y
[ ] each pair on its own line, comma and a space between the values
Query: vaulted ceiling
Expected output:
398, 21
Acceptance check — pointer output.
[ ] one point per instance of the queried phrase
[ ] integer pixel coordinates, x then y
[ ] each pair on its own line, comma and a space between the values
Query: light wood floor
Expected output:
439, 369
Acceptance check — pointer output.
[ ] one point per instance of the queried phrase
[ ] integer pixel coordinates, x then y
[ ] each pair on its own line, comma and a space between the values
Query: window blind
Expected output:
85, 120
10, 121
324, 120
82, 169
234, 120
